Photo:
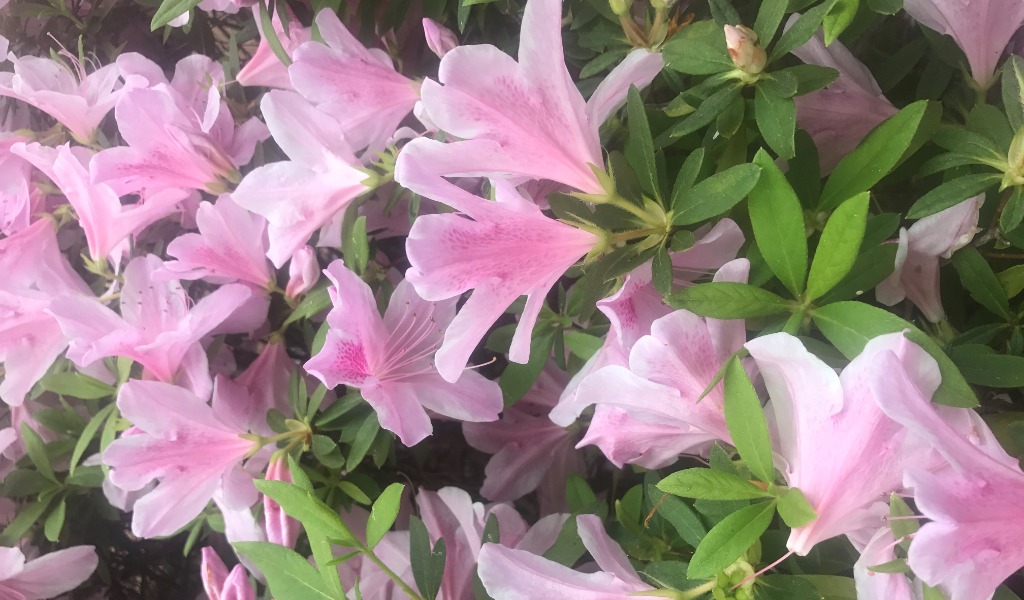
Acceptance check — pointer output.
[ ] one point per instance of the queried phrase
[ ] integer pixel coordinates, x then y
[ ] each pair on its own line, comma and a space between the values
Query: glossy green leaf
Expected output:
715, 195
746, 422
698, 49
776, 118
427, 563
289, 575
778, 222
707, 484
640, 145
839, 245
170, 10
951, 193
728, 300
383, 513
728, 540
309, 510
794, 508
983, 285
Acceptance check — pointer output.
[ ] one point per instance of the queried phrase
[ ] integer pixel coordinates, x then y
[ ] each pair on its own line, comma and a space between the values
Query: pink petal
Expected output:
54, 573
639, 68
509, 574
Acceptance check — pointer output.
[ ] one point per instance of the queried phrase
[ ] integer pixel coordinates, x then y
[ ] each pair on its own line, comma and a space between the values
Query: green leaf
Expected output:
54, 522
583, 345
427, 565
849, 326
88, 433
352, 491
698, 49
1013, 91
714, 195
289, 575
707, 112
769, 16
728, 540
885, 7
707, 484
869, 270
687, 176
1013, 212
811, 78
314, 302
951, 193
1012, 280
785, 587
568, 546
778, 222
898, 565
837, 250
383, 513
309, 510
745, 419
365, 435
900, 522
327, 452
355, 246
794, 508
270, 34
679, 515
661, 272
776, 118
833, 587
839, 18
640, 145
980, 365
801, 31
36, 450
77, 385
170, 10
26, 518
880, 152
977, 276
728, 300
517, 379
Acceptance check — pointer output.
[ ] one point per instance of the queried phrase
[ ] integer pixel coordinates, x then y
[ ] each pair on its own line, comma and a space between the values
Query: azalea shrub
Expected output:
512, 299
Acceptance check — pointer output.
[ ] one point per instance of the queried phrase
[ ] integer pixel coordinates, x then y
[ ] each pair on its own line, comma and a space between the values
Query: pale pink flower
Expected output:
303, 272
18, 197
526, 118
265, 68
872, 585
975, 505
389, 358
221, 585
840, 115
503, 250
299, 196
982, 29
530, 452
105, 221
514, 574
440, 39
158, 326
266, 381
230, 246
281, 529
916, 276
34, 273
357, 86
193, 449
48, 576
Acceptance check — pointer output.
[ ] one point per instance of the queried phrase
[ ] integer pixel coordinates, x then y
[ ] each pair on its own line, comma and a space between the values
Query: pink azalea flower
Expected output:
357, 86
814, 408
299, 196
35, 271
78, 100
526, 118
389, 358
440, 39
265, 68
504, 250
916, 276
104, 219
981, 29
156, 326
179, 133
647, 414
303, 272
221, 585
879, 550
840, 115
48, 576
266, 381
512, 574
281, 529
530, 452
975, 505
193, 449
230, 246
18, 197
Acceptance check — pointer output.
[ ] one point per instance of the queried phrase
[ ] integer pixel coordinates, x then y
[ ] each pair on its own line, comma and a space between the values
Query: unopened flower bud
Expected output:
745, 52
440, 39
620, 7
303, 272
281, 529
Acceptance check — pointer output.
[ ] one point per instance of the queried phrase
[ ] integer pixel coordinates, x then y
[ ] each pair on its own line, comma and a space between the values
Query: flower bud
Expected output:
745, 52
281, 529
303, 272
440, 39
620, 7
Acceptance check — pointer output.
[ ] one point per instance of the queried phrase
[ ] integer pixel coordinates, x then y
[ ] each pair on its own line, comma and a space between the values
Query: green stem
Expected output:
387, 571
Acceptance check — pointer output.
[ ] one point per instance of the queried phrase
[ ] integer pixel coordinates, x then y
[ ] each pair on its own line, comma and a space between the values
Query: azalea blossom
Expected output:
525, 118
191, 448
358, 87
440, 39
839, 116
389, 358
47, 576
281, 528
266, 380
221, 585
916, 276
503, 250
303, 272
981, 29
299, 196
879, 550
265, 68
18, 197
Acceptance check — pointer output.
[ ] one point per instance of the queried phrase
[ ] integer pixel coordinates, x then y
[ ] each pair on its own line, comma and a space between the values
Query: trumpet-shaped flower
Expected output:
266, 380
104, 219
981, 29
513, 574
221, 585
230, 246
299, 196
503, 250
265, 68
389, 358
916, 276
48, 576
193, 449
18, 197
526, 118
975, 505
358, 87
840, 115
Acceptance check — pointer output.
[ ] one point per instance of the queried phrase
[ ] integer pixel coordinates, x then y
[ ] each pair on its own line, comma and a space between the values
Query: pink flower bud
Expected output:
440, 39
745, 52
303, 272
281, 529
